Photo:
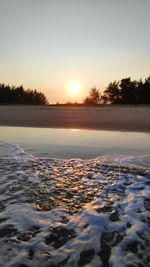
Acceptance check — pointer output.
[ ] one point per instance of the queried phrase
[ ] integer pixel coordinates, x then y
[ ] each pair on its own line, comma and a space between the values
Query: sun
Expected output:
74, 89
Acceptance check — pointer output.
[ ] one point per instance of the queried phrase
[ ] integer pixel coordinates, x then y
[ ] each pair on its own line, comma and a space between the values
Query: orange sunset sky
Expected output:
55, 45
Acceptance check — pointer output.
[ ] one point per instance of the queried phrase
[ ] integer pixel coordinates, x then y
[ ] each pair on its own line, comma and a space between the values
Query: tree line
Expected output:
125, 91
18, 95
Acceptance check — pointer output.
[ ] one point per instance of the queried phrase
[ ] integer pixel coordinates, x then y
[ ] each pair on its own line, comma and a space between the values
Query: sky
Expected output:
50, 44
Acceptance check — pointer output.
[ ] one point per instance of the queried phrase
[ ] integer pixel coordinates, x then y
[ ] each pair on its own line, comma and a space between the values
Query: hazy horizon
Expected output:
48, 45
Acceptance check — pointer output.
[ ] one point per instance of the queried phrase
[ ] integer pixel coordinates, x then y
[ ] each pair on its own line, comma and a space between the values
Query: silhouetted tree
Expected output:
146, 91
93, 98
112, 93
127, 92
17, 95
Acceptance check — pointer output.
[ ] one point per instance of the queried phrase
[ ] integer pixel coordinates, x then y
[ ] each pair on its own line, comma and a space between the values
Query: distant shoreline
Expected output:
104, 117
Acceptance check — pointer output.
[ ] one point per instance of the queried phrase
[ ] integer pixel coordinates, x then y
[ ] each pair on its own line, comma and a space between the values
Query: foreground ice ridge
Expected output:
74, 213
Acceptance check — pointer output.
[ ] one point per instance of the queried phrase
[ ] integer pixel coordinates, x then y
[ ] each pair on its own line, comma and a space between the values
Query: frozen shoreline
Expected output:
123, 118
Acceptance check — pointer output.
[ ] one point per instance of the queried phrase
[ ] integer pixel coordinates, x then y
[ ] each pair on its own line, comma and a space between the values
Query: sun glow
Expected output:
74, 89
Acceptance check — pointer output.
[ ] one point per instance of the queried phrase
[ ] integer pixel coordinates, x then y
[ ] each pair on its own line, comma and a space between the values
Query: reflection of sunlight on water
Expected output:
75, 130
74, 208
74, 142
